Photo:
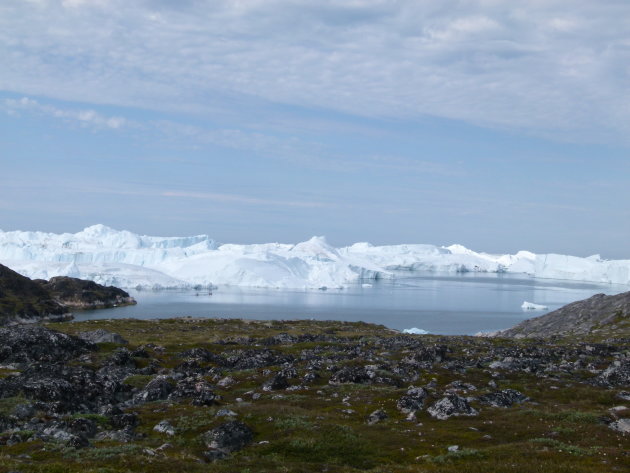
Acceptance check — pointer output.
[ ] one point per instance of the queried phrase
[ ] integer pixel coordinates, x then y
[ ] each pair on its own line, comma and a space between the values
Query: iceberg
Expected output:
531, 306
125, 259
415, 331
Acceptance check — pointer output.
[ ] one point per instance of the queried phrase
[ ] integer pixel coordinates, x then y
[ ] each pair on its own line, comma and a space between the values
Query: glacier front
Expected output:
124, 259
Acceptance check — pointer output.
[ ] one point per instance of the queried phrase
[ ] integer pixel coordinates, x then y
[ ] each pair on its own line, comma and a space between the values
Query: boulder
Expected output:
451, 405
617, 374
277, 382
376, 417
621, 425
164, 427
158, 388
412, 401
227, 438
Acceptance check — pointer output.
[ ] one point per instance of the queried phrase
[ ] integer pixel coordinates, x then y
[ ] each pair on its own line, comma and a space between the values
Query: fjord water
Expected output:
445, 304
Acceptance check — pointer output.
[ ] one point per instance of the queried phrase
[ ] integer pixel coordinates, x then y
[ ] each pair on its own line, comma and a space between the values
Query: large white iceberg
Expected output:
125, 259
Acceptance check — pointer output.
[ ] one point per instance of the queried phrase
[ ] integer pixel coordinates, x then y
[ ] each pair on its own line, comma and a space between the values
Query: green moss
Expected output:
464, 454
564, 447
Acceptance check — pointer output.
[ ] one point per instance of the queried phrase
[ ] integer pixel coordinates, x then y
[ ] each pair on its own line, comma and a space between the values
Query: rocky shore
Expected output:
236, 395
24, 300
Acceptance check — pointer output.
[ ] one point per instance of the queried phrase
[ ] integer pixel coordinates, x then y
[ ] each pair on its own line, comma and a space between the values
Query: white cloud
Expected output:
524, 65
86, 118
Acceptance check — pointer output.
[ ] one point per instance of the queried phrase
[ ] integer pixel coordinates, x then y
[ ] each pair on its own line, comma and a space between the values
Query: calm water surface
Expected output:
445, 304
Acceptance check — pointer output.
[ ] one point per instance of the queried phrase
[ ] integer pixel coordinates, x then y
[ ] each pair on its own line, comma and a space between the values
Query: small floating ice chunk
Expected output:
415, 331
366, 285
531, 306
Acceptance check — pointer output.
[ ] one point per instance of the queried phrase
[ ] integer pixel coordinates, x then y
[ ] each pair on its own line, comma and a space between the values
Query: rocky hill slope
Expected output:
23, 299
598, 315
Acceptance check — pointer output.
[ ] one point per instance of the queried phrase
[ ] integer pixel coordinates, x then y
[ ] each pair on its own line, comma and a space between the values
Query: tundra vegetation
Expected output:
223, 395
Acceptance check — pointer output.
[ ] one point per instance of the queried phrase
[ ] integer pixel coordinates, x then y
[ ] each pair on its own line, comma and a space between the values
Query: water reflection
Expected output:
447, 304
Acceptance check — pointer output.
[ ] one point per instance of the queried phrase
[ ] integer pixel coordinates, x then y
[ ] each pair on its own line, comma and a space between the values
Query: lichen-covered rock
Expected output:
617, 374
158, 388
424, 356
412, 401
227, 438
352, 374
248, 359
164, 427
376, 417
451, 405
197, 389
31, 343
277, 382
621, 425
63, 388
504, 398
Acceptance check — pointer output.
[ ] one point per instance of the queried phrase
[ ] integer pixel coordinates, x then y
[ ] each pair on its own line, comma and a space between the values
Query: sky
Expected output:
498, 125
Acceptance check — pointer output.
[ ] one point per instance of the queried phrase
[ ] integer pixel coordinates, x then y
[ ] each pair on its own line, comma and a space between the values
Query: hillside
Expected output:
23, 299
599, 316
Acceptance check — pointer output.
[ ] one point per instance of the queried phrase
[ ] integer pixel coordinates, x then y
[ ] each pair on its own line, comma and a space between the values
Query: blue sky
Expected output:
498, 126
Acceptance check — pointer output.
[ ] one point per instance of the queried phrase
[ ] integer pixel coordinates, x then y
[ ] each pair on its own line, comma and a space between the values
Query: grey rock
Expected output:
621, 425
617, 374
278, 381
351, 374
156, 389
24, 411
197, 389
227, 438
451, 405
504, 398
31, 343
225, 413
164, 427
376, 417
102, 336
412, 401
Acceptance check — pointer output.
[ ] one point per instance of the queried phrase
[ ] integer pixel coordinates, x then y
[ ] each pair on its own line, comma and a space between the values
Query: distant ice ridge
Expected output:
125, 259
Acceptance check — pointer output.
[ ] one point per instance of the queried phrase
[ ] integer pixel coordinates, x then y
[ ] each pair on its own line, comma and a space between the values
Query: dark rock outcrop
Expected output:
80, 294
22, 299
28, 344
227, 438
505, 398
26, 300
412, 401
